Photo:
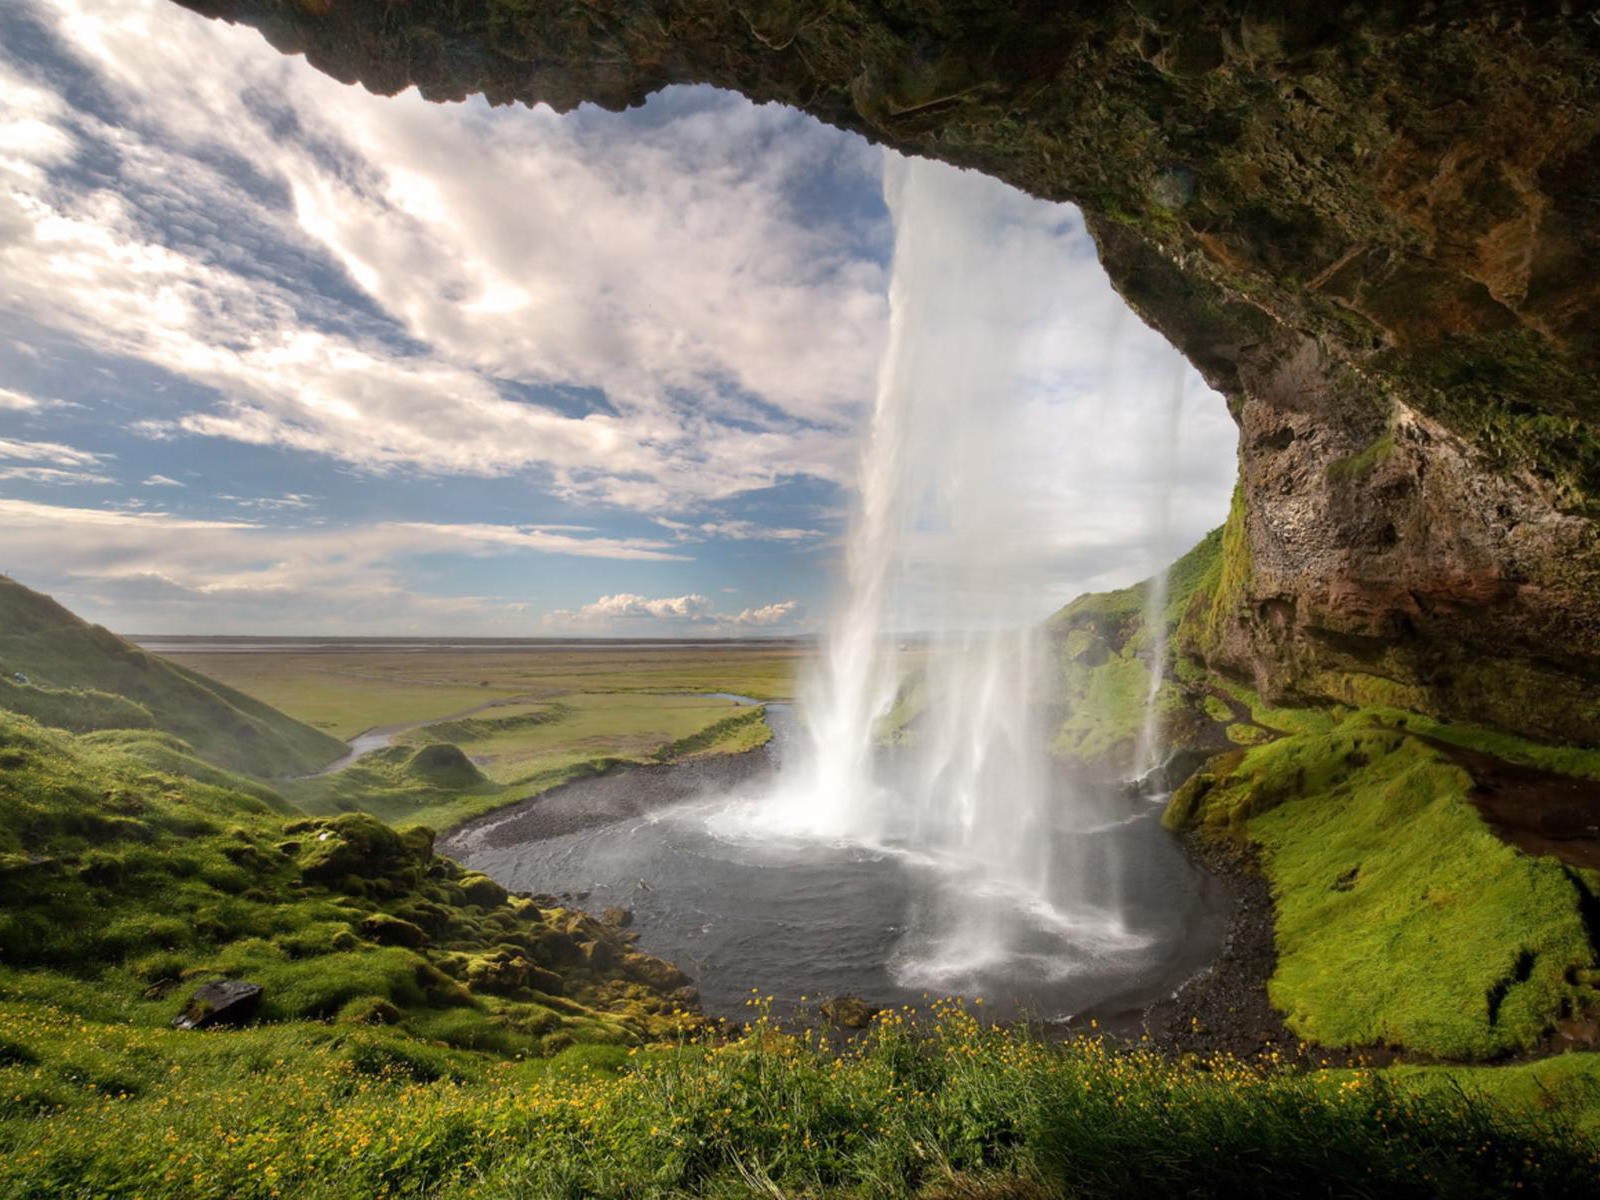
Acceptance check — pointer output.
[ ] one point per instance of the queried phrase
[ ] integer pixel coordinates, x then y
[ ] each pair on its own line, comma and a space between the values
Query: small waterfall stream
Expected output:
1149, 753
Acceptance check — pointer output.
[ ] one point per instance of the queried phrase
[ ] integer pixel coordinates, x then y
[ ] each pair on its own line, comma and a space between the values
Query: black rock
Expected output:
226, 1002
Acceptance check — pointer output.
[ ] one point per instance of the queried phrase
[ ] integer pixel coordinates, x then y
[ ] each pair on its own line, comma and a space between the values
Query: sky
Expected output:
278, 356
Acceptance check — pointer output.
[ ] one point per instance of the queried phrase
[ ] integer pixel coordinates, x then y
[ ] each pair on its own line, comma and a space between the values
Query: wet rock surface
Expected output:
590, 803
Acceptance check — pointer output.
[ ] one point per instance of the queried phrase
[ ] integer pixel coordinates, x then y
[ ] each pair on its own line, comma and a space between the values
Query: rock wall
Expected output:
1372, 226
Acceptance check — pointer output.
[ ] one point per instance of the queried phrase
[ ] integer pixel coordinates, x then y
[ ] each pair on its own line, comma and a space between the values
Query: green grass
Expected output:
83, 677
1401, 918
116, 878
1103, 648
99, 1106
347, 691
525, 749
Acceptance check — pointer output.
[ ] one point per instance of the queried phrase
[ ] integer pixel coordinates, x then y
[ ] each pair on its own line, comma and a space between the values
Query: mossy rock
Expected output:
481, 890
444, 765
392, 931
354, 847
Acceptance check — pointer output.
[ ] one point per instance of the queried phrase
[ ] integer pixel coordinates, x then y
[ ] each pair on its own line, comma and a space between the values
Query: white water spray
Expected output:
946, 542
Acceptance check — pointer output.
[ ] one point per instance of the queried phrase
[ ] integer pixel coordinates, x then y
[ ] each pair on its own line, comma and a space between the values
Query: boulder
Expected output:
654, 973
226, 1002
482, 891
617, 917
392, 931
849, 1012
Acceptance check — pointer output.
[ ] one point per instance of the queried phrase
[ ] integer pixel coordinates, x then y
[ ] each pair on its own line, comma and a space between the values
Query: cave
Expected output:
1370, 227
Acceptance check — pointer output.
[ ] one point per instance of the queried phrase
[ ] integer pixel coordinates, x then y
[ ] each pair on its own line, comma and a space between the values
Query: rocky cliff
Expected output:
1372, 226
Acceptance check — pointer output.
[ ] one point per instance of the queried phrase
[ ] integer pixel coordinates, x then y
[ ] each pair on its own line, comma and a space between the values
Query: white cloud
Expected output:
52, 475
737, 531
49, 452
287, 501
692, 614
17, 402
665, 267
161, 571
163, 481
785, 613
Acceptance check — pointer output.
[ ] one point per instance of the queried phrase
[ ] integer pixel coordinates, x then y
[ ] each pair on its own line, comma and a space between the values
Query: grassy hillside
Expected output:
1104, 653
132, 885
81, 677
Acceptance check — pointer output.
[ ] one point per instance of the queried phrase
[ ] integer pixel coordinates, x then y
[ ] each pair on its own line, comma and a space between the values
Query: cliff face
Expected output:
1373, 228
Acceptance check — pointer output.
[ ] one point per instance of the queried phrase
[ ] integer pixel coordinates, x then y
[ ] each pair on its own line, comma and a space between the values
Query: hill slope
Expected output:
82, 677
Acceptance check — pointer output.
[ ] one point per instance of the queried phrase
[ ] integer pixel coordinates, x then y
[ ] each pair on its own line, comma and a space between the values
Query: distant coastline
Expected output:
310, 644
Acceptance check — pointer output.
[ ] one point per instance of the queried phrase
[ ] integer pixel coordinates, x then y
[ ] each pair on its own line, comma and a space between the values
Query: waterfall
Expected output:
945, 589
1148, 752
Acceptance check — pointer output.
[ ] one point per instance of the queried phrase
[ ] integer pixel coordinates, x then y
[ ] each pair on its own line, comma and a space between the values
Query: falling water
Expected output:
946, 542
1148, 753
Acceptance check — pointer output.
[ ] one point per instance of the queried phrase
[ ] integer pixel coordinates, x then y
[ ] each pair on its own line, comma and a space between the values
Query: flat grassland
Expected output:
528, 717
349, 687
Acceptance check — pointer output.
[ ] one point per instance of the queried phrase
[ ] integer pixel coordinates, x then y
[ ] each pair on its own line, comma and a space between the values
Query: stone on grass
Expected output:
225, 1002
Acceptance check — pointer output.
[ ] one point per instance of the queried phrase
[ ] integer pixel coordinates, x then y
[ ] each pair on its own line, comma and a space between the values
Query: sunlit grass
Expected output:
349, 691
304, 1110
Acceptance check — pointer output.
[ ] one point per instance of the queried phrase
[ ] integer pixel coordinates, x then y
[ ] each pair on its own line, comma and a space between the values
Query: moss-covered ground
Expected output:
132, 885
1402, 919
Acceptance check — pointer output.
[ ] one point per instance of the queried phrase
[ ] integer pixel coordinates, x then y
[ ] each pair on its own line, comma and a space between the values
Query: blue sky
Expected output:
279, 356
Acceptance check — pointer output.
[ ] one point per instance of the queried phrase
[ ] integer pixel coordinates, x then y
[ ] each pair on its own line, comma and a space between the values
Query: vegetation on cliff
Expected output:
1402, 919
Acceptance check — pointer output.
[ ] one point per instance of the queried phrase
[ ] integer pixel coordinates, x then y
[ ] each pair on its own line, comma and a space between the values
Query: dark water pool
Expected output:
683, 847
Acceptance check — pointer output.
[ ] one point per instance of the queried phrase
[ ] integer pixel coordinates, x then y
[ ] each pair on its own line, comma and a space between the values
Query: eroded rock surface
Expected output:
1372, 227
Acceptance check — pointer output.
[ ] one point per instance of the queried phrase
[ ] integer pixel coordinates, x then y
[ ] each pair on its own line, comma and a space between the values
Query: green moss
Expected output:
1354, 468
1219, 591
1401, 918
1247, 735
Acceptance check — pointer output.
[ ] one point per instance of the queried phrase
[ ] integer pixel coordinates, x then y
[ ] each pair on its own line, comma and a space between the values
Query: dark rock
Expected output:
229, 1002
617, 917
849, 1012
